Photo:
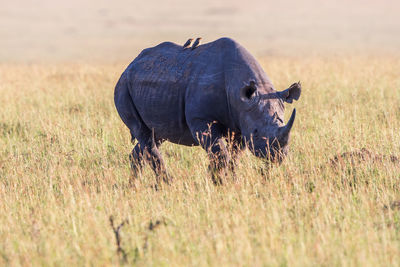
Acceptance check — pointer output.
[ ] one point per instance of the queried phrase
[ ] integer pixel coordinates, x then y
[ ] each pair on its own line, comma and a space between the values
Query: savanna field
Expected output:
64, 171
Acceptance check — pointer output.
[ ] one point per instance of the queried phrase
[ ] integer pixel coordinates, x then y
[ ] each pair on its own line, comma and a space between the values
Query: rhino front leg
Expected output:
235, 147
219, 161
210, 137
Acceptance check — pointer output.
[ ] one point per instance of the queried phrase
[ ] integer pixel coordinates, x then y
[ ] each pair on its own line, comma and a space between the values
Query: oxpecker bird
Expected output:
196, 43
188, 43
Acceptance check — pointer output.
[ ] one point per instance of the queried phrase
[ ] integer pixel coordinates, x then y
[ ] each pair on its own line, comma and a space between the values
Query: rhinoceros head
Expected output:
261, 119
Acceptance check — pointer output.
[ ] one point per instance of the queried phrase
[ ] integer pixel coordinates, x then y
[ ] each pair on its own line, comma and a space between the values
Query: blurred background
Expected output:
109, 31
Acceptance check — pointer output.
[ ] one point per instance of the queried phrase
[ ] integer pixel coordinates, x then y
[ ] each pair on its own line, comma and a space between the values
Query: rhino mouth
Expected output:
272, 152
276, 149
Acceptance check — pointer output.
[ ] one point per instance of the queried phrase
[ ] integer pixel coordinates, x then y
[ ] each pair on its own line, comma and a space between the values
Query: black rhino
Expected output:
199, 97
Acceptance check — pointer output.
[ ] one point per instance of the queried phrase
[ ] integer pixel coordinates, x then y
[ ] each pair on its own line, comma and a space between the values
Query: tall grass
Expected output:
64, 170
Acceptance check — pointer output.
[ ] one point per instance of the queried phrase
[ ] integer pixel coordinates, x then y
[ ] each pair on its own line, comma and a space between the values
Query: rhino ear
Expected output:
293, 92
248, 92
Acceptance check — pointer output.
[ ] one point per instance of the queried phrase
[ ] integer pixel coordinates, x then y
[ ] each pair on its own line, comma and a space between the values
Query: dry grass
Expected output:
64, 170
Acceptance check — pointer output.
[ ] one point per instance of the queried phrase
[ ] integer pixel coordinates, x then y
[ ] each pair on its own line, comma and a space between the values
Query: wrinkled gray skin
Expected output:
199, 97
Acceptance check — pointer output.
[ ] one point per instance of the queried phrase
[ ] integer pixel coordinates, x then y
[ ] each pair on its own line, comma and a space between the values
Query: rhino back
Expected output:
167, 78
158, 80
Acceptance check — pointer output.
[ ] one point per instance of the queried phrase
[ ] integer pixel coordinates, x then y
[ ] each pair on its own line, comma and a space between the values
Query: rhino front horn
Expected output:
285, 130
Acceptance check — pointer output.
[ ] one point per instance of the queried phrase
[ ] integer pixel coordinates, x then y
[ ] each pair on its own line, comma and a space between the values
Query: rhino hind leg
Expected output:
136, 160
153, 156
147, 151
